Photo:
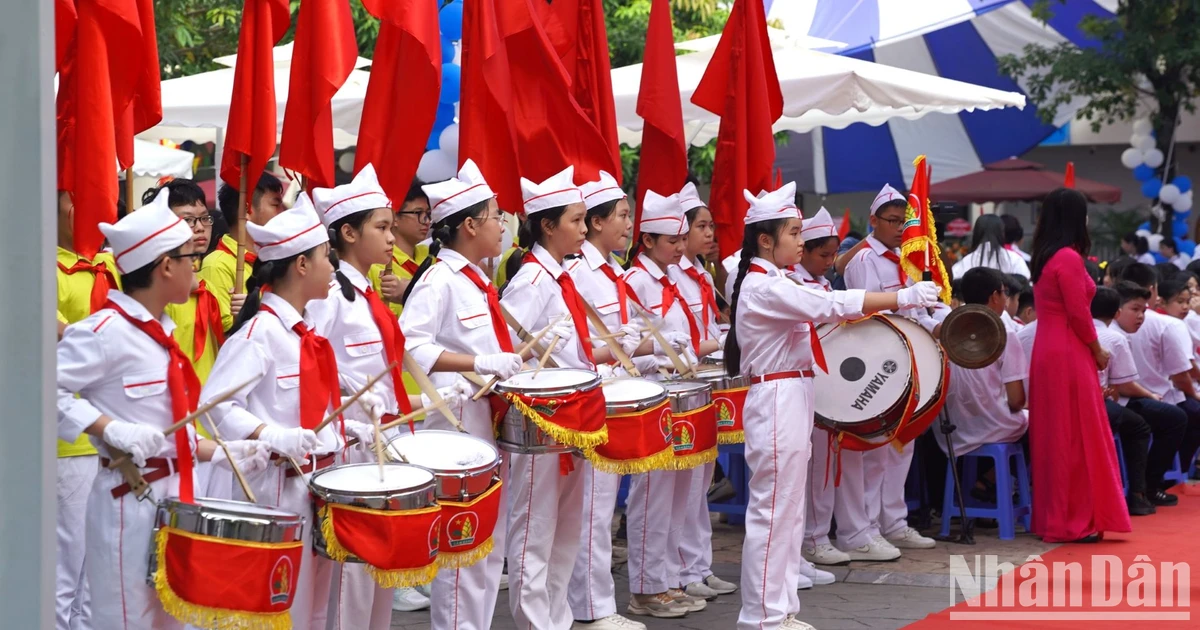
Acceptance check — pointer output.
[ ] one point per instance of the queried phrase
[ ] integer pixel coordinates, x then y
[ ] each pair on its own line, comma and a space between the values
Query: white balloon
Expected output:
1142, 127
1153, 158
1187, 195
448, 141
458, 54
1154, 240
1144, 143
1131, 158
436, 166
1183, 204
1169, 194
346, 162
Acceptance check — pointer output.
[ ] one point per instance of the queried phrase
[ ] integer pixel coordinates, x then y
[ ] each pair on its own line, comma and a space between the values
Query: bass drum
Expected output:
933, 376
870, 379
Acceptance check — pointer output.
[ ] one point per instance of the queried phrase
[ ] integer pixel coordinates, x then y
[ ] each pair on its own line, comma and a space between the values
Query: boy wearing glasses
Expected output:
411, 229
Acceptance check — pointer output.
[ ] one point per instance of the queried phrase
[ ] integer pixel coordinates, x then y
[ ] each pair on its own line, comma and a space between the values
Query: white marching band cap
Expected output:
362, 193
778, 204
820, 226
689, 197
142, 236
603, 191
555, 192
290, 232
457, 193
885, 195
662, 215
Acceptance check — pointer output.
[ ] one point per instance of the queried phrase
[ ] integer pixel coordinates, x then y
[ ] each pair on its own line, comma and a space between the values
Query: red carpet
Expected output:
1118, 582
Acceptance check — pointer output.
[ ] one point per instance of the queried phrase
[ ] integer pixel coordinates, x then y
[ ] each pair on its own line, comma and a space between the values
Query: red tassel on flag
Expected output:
1069, 179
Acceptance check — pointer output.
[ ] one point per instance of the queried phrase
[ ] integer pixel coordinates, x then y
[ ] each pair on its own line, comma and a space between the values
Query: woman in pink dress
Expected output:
1077, 492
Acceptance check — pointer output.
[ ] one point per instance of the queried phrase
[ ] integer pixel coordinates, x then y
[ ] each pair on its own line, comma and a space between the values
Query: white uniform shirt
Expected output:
1147, 259
691, 293
1181, 260
117, 370
267, 350
1025, 336
977, 400
870, 271
1192, 321
534, 298
646, 281
1161, 348
730, 263
1005, 260
595, 287
355, 337
773, 315
1121, 366
1010, 324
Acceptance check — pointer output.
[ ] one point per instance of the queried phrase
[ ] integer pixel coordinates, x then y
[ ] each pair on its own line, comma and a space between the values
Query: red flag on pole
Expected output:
408, 62
844, 228
145, 108
323, 56
740, 85
251, 129
663, 163
919, 251
65, 20
486, 132
1069, 179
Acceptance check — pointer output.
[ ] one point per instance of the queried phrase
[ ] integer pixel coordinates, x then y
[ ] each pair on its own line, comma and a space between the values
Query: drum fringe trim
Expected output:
688, 462
662, 460
731, 437
385, 578
583, 440
202, 616
464, 559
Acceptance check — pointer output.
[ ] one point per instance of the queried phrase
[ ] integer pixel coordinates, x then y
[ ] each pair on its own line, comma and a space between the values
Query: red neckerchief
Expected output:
891, 255
574, 306
814, 340
250, 256
408, 265
318, 374
208, 317
670, 295
623, 292
104, 280
184, 388
499, 326
393, 345
707, 297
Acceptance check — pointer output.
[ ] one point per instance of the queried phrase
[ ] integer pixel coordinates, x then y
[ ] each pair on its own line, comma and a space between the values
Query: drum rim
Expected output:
633, 406
842, 426
940, 388
455, 472
704, 386
557, 390
278, 516
328, 493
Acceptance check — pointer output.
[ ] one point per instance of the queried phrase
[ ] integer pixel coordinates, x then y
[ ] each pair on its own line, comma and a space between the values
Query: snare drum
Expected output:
933, 376
639, 429
392, 526
556, 410
693, 423
466, 472
225, 564
729, 399
870, 383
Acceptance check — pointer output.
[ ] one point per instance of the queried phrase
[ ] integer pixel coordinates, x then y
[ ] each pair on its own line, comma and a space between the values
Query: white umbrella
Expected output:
151, 159
282, 55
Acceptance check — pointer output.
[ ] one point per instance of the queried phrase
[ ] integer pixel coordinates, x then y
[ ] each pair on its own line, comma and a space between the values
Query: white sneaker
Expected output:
804, 583
909, 538
661, 605
611, 622
792, 623
874, 552
720, 586
701, 590
825, 554
693, 604
426, 589
409, 600
817, 576
504, 581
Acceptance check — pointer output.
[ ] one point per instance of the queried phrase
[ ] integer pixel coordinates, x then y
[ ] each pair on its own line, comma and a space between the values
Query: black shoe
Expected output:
1139, 506
621, 529
1162, 498
1090, 538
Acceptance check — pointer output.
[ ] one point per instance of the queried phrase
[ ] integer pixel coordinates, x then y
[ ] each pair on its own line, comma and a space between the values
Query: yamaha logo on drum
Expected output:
874, 385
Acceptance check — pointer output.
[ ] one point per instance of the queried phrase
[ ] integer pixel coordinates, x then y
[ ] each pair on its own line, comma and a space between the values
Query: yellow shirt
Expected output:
404, 272
218, 273
185, 316
502, 277
75, 304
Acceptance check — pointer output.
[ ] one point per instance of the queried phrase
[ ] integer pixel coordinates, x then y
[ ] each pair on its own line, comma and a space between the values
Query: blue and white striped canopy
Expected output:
956, 39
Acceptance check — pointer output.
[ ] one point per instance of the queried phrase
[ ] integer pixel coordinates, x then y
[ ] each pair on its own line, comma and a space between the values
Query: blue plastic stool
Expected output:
1121, 463
1005, 513
733, 462
1176, 473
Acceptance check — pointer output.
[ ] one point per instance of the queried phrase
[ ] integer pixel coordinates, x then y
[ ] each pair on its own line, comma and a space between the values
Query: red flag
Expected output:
145, 109
663, 163
740, 86
252, 107
1069, 179
408, 61
552, 130
486, 132
323, 57
844, 228
919, 251
65, 20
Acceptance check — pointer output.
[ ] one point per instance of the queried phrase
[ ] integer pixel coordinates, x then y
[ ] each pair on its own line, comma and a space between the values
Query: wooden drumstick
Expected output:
378, 436
522, 333
353, 398
680, 366
237, 471
608, 338
409, 416
487, 388
429, 390
545, 355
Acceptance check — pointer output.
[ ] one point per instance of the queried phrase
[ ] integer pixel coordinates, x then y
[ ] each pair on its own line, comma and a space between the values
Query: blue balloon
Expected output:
1150, 187
451, 83
1158, 258
1183, 182
1142, 172
451, 17
445, 116
1182, 216
1144, 226
1187, 247
447, 50
435, 135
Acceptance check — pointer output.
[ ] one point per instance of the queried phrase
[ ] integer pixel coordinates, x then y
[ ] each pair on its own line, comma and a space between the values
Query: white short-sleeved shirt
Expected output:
1005, 260
1147, 259
1010, 324
978, 401
1121, 366
1181, 260
1192, 321
872, 271
1161, 348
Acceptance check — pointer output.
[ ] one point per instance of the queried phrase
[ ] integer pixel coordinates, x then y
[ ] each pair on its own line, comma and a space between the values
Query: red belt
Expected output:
779, 376
156, 468
310, 464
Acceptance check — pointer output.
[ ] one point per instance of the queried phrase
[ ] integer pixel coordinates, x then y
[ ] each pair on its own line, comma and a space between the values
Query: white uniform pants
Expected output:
592, 594
655, 507
885, 472
75, 478
826, 500
544, 528
693, 541
778, 424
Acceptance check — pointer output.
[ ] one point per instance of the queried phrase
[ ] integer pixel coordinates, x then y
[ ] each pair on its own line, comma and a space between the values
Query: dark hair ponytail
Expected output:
263, 274
444, 233
337, 244
733, 352
529, 234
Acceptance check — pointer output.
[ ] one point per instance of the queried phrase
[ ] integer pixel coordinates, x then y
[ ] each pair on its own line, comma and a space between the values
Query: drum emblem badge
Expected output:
281, 581
664, 425
461, 531
684, 436
547, 408
725, 413
435, 536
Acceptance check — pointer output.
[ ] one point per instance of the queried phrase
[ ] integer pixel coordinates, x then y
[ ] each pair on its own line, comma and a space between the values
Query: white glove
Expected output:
564, 330
455, 395
677, 340
295, 443
688, 356
141, 441
920, 295
631, 340
721, 340
249, 455
606, 371
647, 365
374, 407
363, 432
501, 364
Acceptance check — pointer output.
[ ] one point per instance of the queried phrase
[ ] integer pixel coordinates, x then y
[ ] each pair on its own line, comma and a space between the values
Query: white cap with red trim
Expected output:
457, 193
602, 191
362, 193
142, 236
290, 232
885, 195
558, 191
820, 226
689, 197
777, 204
662, 215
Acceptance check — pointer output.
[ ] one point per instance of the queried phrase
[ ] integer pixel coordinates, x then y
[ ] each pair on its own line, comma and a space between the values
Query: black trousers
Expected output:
1191, 439
1168, 425
1135, 442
